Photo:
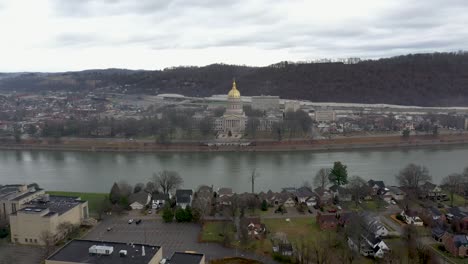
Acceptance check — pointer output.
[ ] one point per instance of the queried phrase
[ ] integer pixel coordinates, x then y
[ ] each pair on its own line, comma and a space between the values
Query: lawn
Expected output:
372, 205
457, 200
94, 199
213, 231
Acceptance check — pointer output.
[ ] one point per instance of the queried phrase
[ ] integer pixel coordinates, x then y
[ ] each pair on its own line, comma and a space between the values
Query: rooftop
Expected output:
77, 251
55, 204
186, 258
17, 191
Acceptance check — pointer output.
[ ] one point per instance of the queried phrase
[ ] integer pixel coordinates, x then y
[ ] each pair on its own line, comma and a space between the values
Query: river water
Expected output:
96, 171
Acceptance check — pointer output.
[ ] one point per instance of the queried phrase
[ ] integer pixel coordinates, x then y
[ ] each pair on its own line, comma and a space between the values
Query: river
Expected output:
96, 171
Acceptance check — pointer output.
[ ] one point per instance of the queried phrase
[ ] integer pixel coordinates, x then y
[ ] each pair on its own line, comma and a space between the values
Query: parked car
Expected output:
130, 221
138, 221
150, 211
332, 210
109, 228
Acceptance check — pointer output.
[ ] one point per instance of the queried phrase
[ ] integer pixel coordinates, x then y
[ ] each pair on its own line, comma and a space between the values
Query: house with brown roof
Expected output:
457, 245
327, 221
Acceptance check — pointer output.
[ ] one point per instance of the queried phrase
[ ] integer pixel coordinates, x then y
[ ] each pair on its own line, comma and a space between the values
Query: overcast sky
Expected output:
62, 35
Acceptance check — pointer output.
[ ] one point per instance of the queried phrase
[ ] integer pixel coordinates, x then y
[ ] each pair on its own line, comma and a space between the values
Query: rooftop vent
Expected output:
123, 253
101, 250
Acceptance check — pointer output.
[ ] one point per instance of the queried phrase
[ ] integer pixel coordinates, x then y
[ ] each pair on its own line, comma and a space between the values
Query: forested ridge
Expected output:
436, 79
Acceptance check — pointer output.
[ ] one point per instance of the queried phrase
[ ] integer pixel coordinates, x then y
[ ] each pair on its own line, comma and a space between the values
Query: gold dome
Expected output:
234, 93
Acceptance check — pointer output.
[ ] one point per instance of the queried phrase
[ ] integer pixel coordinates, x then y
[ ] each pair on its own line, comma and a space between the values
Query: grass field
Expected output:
457, 200
213, 231
94, 199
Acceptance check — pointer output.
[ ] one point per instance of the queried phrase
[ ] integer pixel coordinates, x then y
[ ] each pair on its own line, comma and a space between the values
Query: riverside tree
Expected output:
167, 181
412, 176
321, 178
338, 174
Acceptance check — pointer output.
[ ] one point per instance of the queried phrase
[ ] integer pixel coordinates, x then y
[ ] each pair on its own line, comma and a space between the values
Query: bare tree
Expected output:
48, 240
167, 181
358, 187
150, 187
412, 176
321, 178
138, 187
125, 188
453, 183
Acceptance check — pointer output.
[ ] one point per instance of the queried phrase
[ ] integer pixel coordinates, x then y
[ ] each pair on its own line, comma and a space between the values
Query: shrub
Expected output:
264, 205
167, 214
400, 217
281, 258
3, 233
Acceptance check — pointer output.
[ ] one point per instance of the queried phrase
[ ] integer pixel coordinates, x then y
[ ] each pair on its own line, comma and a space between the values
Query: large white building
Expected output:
234, 119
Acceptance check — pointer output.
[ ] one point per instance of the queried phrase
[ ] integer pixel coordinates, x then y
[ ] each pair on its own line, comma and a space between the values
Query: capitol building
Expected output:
234, 119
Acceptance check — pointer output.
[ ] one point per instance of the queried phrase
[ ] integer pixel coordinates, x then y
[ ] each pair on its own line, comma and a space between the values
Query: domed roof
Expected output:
234, 93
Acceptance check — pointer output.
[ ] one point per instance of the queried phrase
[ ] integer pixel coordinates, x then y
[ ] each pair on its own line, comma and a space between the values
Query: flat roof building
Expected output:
44, 215
14, 196
266, 102
105, 252
187, 258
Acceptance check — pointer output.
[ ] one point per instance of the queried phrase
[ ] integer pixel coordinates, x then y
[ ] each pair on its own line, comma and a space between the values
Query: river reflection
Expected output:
95, 172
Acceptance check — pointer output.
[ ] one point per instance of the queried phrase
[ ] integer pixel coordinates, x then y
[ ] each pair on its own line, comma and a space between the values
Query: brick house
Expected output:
457, 245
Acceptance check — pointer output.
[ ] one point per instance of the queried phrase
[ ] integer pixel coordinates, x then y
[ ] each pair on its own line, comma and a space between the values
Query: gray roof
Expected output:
141, 197
304, 192
56, 204
183, 196
11, 191
185, 258
77, 251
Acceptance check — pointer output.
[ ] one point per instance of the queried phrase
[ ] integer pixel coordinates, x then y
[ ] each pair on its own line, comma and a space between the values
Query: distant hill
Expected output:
438, 79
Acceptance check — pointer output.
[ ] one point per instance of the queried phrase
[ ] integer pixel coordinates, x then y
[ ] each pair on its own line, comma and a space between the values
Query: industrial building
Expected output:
105, 252
14, 196
43, 215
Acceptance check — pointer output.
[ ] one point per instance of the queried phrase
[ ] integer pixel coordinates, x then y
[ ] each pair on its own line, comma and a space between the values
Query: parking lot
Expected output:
171, 236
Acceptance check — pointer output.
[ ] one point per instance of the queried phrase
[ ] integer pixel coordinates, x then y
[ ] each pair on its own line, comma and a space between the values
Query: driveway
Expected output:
171, 236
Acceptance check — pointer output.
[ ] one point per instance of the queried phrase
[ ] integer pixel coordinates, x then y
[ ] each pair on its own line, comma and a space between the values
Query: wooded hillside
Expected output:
439, 79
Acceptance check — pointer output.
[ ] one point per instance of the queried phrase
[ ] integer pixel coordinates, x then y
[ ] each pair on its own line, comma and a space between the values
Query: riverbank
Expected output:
123, 145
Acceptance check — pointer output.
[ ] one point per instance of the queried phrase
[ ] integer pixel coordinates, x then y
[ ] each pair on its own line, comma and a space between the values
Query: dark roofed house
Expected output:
139, 200
378, 187
184, 197
324, 196
303, 194
430, 190
159, 199
186, 258
105, 252
437, 233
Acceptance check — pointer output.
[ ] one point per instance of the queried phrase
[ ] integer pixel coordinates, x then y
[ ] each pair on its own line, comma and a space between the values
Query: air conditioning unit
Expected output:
123, 253
101, 250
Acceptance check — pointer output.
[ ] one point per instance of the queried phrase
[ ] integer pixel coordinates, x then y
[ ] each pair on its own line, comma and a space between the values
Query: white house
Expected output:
411, 217
396, 193
139, 200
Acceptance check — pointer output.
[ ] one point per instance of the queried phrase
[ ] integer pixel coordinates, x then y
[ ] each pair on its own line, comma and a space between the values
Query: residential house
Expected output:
373, 225
340, 193
291, 190
105, 252
434, 215
284, 249
159, 200
431, 191
457, 245
184, 198
327, 221
254, 226
289, 202
13, 197
369, 245
438, 233
396, 193
377, 187
325, 197
458, 216
139, 200
411, 217
45, 214
303, 194
225, 192
312, 201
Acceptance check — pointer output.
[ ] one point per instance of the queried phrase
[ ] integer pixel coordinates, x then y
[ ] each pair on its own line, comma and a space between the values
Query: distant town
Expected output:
218, 120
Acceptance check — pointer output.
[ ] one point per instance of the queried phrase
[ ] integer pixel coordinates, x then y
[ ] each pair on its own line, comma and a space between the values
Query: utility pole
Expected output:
252, 179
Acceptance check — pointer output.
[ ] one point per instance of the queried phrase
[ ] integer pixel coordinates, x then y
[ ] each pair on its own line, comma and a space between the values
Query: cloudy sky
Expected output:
61, 35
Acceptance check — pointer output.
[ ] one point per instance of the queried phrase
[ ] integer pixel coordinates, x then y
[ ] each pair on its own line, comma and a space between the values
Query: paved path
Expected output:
171, 236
